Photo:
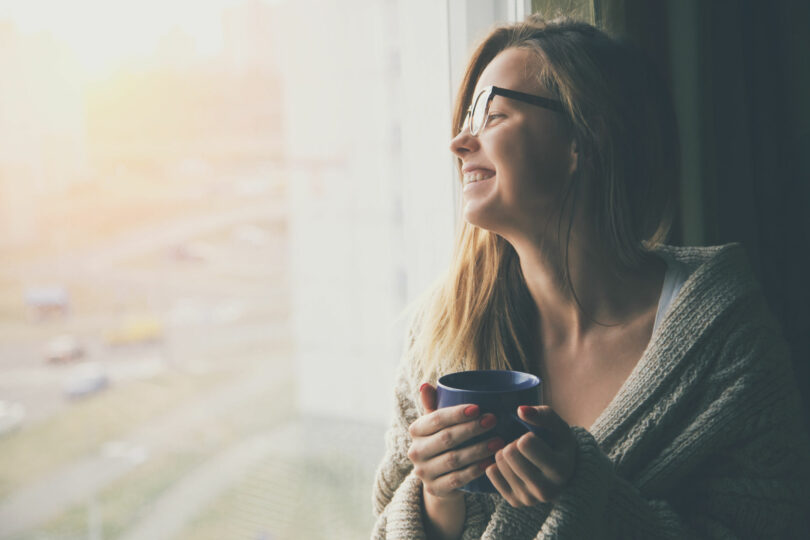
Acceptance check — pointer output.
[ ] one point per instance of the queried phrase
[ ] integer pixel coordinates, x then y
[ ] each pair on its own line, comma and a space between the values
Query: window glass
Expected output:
212, 216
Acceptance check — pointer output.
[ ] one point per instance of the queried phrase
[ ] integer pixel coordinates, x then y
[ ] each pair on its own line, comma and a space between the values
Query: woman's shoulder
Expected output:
722, 311
720, 298
713, 273
713, 258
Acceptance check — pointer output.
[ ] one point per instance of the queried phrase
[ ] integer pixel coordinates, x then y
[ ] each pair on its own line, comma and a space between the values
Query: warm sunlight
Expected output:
106, 34
203, 224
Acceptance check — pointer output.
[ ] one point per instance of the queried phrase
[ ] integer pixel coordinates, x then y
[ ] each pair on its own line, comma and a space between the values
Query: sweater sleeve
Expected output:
396, 498
751, 465
600, 504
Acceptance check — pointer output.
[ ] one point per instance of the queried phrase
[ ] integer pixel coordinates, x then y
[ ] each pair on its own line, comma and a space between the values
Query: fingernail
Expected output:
488, 421
471, 411
495, 444
528, 411
423, 387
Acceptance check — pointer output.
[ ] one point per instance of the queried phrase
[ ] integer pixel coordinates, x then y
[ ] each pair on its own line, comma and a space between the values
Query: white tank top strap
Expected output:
676, 275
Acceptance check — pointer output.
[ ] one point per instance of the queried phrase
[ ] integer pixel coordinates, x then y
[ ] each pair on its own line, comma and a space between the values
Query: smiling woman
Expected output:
669, 405
513, 135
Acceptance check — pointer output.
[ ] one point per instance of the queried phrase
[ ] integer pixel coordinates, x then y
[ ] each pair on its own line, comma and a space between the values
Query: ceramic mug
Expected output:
499, 392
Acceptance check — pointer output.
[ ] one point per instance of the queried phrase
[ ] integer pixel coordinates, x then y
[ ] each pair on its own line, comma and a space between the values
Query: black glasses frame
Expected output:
490, 92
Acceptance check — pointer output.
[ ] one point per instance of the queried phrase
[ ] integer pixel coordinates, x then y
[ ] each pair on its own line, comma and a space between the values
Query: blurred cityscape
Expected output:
150, 359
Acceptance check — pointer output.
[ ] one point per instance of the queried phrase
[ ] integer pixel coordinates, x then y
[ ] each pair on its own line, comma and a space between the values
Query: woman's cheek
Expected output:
519, 174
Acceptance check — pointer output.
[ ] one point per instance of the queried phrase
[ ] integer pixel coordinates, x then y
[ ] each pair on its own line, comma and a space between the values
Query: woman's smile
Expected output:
529, 145
476, 178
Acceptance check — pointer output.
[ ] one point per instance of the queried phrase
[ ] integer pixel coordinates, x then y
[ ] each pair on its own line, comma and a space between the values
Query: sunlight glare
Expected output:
103, 34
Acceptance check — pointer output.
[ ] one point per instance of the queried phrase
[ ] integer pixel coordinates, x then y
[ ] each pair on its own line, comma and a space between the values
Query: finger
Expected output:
452, 460
499, 482
454, 480
535, 483
516, 487
545, 416
435, 421
452, 437
540, 455
428, 396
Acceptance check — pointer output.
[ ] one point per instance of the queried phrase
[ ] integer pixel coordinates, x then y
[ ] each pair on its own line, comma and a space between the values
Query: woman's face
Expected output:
514, 171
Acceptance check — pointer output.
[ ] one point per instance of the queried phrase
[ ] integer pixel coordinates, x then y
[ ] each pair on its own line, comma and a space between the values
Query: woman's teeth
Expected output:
477, 176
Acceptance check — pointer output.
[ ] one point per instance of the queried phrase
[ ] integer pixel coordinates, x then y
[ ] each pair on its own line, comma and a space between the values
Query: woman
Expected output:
668, 389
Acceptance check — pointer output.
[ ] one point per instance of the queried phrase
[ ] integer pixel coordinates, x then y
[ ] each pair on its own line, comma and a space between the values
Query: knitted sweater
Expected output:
703, 440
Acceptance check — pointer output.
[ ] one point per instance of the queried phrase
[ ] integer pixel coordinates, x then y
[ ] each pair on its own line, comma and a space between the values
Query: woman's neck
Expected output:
603, 296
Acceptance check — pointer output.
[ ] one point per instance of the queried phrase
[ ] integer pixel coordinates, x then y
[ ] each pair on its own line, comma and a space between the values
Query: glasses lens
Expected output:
466, 123
479, 113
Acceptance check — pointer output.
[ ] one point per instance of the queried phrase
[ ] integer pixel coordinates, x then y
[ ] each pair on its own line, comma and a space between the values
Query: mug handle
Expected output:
541, 432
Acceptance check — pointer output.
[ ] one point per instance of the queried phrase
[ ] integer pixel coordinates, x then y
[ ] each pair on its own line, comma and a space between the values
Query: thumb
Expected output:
428, 395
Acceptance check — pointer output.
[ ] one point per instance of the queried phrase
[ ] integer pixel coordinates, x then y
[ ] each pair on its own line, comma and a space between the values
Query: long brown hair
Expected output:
480, 315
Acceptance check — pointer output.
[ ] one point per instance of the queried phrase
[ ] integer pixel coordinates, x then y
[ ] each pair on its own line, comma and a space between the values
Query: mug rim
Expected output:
534, 379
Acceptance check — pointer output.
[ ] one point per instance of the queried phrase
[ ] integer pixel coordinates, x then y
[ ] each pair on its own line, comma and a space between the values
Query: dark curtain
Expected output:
740, 74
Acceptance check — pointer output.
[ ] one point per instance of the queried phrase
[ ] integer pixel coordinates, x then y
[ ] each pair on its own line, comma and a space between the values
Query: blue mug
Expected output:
499, 392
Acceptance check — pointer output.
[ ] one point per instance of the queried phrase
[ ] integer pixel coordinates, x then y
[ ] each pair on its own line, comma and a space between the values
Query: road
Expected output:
288, 447
235, 300
243, 283
152, 238
76, 482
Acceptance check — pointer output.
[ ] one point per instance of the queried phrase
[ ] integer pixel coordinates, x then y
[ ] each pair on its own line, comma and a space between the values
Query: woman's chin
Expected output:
479, 216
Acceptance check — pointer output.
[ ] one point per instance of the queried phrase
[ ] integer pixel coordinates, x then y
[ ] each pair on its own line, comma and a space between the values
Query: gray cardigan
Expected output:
704, 439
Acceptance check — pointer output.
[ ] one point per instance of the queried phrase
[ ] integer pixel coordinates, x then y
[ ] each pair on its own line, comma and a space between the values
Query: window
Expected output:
212, 216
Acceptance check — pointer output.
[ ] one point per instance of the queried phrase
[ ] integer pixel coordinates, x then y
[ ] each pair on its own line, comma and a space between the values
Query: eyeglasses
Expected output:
478, 112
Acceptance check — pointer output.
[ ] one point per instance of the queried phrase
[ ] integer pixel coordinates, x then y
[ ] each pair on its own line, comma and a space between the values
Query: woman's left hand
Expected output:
530, 470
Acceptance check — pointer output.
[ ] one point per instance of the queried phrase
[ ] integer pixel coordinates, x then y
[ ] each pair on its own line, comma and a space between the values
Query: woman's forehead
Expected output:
515, 69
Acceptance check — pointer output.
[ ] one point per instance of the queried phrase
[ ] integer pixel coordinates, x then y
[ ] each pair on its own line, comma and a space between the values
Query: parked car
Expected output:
11, 416
195, 252
135, 330
47, 302
87, 378
65, 348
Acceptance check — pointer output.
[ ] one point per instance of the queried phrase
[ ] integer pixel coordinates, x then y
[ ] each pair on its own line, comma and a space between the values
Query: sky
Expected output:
102, 33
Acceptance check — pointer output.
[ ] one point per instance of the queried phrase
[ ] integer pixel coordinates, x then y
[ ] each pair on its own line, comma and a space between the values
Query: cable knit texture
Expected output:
704, 439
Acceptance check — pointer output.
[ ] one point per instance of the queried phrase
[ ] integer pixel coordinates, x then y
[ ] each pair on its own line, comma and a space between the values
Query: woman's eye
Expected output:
494, 116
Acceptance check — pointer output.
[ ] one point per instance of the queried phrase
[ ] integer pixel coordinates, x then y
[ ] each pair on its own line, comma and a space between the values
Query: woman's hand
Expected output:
529, 470
442, 467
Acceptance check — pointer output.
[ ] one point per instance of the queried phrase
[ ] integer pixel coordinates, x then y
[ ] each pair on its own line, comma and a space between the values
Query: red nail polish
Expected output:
528, 411
471, 411
495, 444
488, 421
423, 387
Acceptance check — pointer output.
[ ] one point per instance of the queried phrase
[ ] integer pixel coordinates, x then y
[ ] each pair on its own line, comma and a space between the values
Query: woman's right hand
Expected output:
442, 467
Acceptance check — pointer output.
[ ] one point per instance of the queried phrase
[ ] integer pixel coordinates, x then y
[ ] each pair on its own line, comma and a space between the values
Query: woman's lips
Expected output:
479, 183
477, 175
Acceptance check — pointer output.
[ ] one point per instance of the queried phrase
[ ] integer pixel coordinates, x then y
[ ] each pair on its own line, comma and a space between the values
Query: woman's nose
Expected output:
463, 143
